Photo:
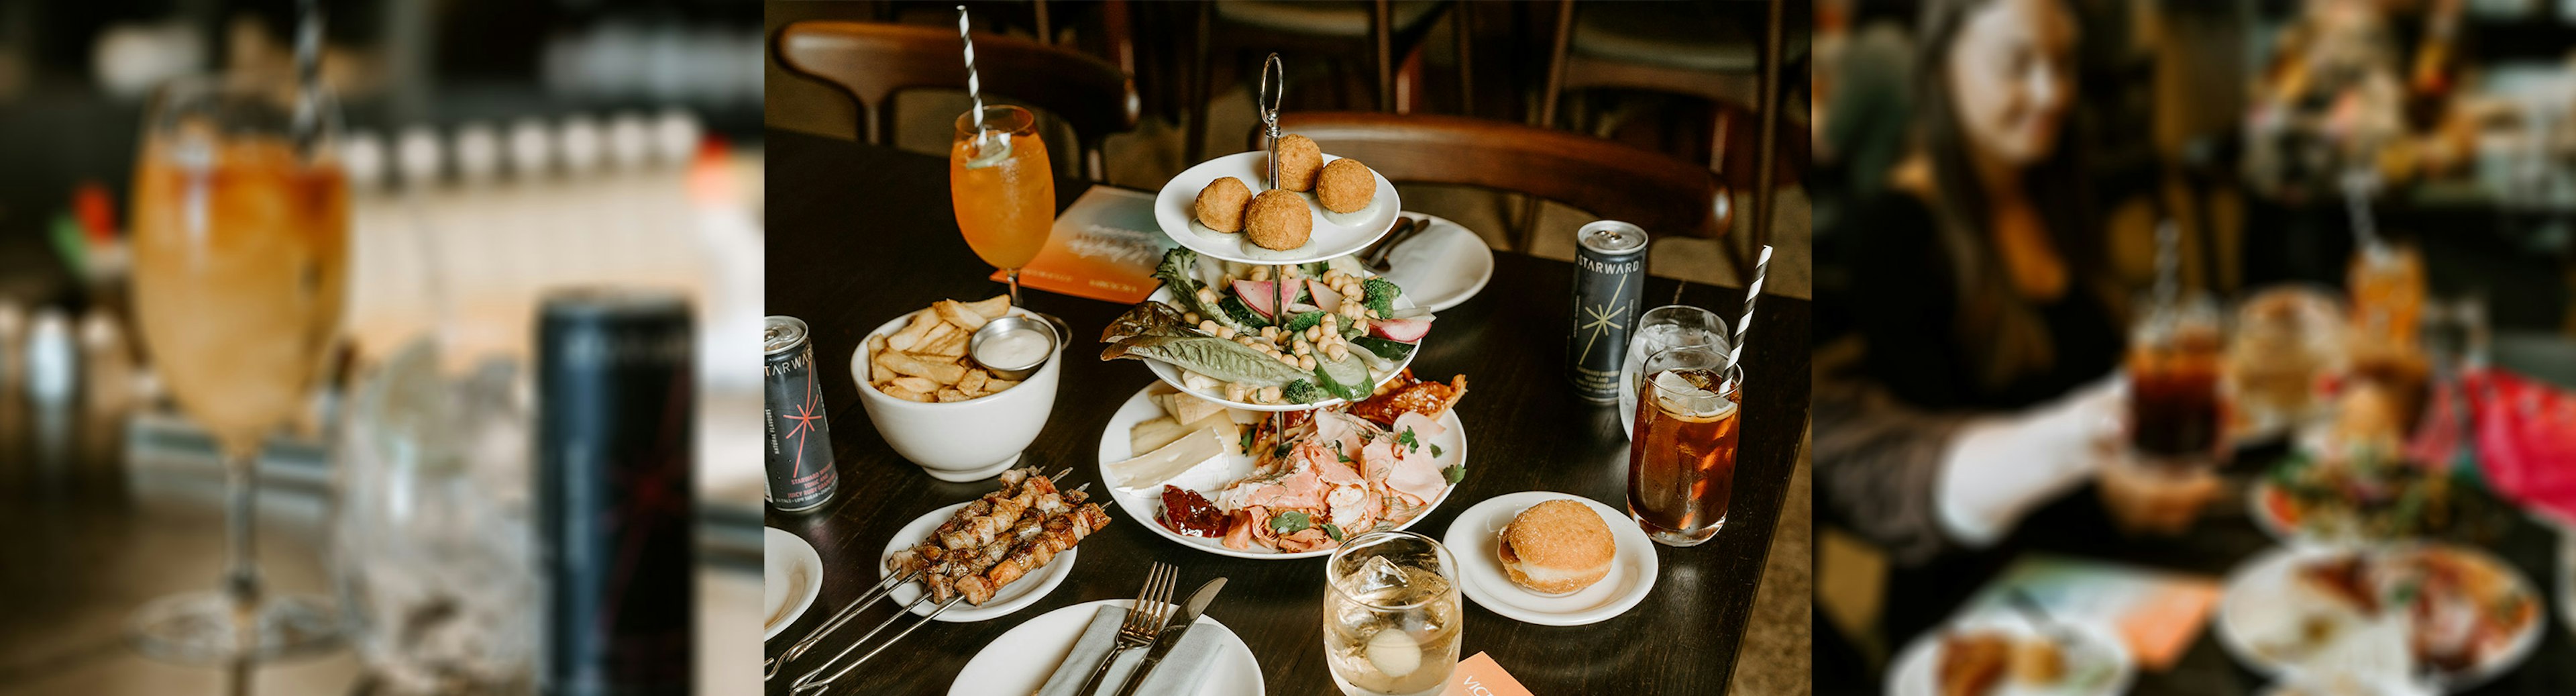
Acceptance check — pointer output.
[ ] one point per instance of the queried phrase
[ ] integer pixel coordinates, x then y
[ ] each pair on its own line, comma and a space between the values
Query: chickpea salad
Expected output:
1299, 334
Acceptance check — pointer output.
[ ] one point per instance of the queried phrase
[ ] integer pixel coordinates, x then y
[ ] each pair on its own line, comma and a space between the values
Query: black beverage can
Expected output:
615, 517
1609, 278
801, 476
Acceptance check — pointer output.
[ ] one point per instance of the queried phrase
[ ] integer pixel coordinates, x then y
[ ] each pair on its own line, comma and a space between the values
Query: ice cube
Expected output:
1375, 575
1692, 393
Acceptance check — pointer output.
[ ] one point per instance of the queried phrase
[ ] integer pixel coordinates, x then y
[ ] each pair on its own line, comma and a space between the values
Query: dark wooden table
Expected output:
859, 234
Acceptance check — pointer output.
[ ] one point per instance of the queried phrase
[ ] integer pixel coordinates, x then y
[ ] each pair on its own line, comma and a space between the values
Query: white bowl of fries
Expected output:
936, 406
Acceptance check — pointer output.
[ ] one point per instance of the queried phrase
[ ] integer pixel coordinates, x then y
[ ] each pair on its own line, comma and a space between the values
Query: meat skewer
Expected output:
1062, 532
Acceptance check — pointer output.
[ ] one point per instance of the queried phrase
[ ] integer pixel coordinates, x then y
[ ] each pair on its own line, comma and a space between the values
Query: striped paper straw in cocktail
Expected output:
1752, 292
974, 87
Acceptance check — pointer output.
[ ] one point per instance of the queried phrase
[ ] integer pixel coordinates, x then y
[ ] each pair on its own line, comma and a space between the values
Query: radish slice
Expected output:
1296, 308
1325, 298
1258, 296
1401, 330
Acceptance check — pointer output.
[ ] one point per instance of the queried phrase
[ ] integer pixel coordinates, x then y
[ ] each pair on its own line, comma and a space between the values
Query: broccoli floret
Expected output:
1299, 392
1380, 295
1304, 321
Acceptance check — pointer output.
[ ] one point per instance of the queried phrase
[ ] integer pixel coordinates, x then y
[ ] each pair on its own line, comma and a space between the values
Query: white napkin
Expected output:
1179, 674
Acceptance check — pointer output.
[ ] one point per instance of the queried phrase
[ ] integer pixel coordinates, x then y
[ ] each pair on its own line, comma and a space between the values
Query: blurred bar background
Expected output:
2240, 124
495, 149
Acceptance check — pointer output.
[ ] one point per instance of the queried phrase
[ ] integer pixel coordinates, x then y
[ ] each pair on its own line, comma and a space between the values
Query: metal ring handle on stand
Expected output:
1274, 85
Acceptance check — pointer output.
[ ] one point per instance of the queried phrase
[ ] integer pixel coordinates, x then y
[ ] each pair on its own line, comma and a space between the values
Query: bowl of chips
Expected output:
941, 409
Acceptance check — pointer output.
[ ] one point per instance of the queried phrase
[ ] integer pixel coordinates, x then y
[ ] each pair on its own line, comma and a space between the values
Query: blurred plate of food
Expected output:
1538, 557
1212, 331
2451, 616
1226, 481
1232, 220
2004, 654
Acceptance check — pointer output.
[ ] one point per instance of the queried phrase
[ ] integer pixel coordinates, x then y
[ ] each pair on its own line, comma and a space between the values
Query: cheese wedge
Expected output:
1190, 409
1150, 470
1154, 434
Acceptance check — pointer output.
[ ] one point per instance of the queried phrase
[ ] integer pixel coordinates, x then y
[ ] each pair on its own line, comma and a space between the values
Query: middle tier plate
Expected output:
1171, 374
1335, 234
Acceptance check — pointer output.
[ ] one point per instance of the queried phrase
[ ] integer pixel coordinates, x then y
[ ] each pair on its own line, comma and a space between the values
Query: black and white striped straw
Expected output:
1752, 292
974, 87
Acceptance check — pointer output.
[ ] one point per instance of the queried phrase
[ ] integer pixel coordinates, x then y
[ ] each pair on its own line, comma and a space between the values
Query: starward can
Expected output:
1609, 278
801, 475
616, 522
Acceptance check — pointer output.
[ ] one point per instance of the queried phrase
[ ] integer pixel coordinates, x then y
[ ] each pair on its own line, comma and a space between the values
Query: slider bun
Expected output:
1557, 547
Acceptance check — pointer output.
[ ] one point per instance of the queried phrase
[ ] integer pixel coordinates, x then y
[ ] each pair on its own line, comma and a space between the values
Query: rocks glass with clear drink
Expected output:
1391, 615
1661, 328
1681, 455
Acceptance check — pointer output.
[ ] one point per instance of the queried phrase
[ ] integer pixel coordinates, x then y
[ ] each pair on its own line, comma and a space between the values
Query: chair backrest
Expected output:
1605, 178
873, 60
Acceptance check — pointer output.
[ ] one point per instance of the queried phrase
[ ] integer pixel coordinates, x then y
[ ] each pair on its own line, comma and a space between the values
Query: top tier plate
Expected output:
1336, 234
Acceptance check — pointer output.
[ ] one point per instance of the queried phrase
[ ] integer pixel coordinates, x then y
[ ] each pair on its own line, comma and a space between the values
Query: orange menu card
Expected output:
1103, 247
1480, 676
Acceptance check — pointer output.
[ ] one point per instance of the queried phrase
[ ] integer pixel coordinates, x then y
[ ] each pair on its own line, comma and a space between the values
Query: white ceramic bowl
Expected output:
966, 440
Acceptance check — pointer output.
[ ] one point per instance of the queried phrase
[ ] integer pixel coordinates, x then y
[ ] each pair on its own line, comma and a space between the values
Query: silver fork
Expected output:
1144, 621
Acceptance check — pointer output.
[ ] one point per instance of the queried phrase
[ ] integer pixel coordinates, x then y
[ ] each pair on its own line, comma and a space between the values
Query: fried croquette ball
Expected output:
1299, 162
1345, 186
1220, 205
1278, 220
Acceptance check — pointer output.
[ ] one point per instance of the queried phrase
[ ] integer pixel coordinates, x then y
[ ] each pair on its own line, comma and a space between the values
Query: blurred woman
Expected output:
1978, 382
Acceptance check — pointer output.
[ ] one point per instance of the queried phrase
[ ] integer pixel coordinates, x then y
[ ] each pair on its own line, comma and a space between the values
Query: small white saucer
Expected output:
1334, 234
1021, 660
1442, 266
1012, 597
791, 575
1475, 538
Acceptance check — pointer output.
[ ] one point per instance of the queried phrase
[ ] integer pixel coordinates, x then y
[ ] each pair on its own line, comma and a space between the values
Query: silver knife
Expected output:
1171, 635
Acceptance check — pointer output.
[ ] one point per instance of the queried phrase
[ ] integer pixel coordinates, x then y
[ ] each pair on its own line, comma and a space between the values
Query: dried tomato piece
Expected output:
1189, 514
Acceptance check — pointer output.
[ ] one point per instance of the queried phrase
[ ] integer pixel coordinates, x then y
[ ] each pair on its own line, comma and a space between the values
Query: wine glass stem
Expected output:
1014, 275
241, 572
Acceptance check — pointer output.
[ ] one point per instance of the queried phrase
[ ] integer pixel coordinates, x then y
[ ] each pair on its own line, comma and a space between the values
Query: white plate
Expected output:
1021, 660
1144, 508
791, 575
1335, 234
1476, 539
1442, 266
1171, 374
1914, 671
2262, 599
1012, 597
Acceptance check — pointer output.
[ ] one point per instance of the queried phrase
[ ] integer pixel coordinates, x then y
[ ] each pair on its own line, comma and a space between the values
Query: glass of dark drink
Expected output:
1681, 460
2176, 414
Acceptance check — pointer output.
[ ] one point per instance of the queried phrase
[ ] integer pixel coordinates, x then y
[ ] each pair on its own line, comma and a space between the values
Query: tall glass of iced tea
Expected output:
1003, 188
241, 219
2176, 354
1681, 459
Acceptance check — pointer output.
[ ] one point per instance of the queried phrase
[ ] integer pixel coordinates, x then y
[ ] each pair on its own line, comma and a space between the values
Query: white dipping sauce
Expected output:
1014, 349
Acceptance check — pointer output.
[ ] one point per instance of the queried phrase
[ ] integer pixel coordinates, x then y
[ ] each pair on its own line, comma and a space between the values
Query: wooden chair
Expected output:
1602, 177
1388, 36
873, 61
1635, 47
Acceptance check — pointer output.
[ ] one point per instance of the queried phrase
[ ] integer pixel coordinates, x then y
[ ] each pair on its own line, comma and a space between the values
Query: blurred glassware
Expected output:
2286, 340
2387, 283
2176, 423
431, 542
240, 231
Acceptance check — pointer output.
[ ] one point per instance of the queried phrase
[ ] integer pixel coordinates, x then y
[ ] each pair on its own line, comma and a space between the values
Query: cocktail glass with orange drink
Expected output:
1003, 187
